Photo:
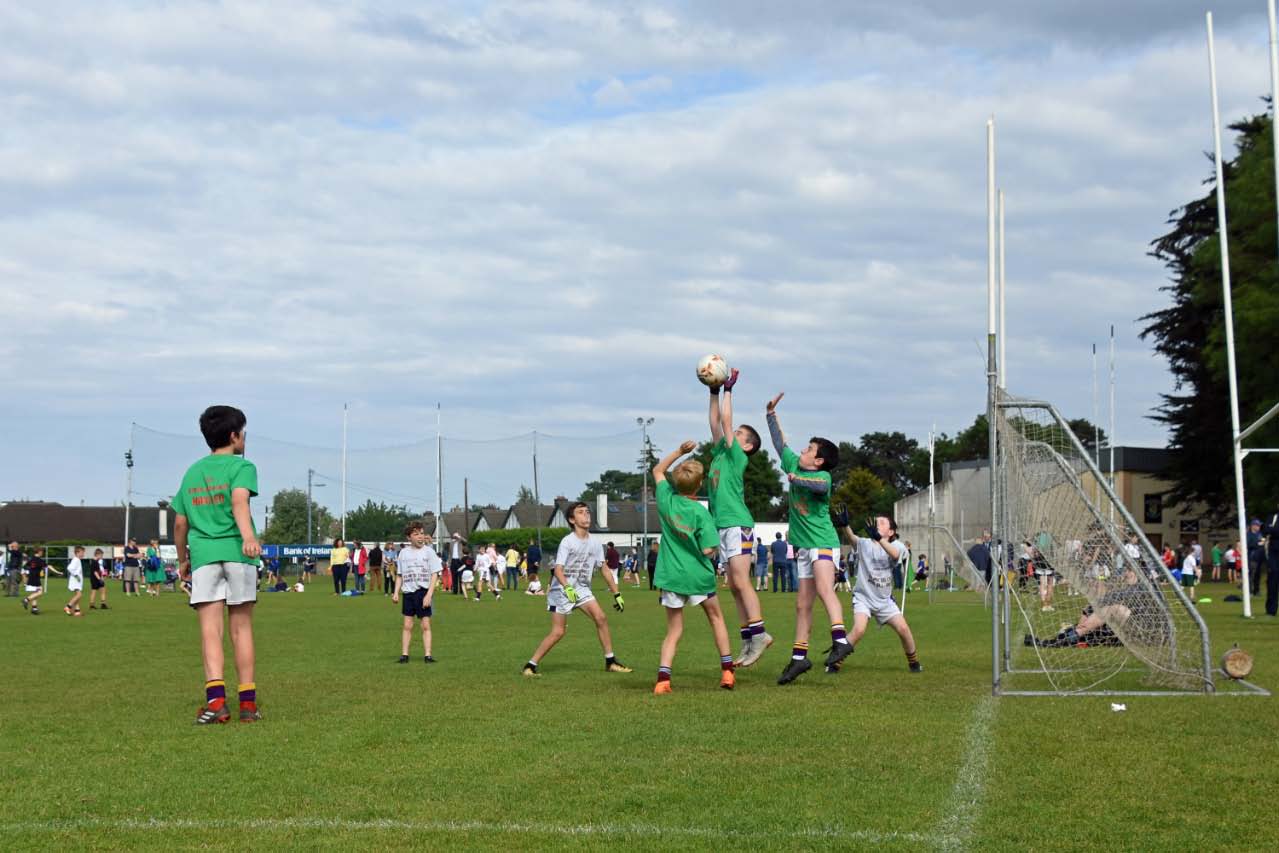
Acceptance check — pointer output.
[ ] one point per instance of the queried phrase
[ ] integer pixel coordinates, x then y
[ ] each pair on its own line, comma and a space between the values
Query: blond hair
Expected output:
687, 476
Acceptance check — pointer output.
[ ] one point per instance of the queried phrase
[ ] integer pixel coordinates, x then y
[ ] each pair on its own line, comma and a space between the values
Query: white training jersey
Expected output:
875, 569
1189, 565
501, 563
74, 569
580, 558
482, 562
416, 565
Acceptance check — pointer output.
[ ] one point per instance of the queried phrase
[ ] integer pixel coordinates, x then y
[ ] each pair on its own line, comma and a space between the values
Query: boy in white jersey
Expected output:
75, 582
575, 563
483, 563
877, 553
417, 576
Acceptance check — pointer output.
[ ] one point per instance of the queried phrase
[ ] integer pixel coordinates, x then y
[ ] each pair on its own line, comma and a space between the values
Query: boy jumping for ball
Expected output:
877, 553
213, 530
684, 573
575, 563
816, 543
417, 577
730, 455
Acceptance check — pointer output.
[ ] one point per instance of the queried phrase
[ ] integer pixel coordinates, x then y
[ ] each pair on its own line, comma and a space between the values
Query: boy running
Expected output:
418, 575
99, 573
575, 563
36, 567
816, 543
75, 582
877, 552
213, 530
730, 455
684, 572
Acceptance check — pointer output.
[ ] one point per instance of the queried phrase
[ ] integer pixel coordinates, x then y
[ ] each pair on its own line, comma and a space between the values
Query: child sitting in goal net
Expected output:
1125, 607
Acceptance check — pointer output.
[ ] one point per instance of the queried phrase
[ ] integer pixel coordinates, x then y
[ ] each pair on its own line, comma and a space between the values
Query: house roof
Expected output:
53, 522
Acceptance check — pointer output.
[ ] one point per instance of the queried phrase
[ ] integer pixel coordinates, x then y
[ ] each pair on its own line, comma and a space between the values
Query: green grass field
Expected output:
357, 752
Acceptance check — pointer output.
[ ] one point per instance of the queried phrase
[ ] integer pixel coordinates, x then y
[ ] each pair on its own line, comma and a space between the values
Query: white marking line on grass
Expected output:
965, 797
646, 830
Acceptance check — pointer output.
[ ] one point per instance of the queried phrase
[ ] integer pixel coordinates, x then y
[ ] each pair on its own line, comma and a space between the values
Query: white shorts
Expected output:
30, 588
557, 601
75, 584
881, 609
736, 542
805, 557
468, 576
675, 600
234, 583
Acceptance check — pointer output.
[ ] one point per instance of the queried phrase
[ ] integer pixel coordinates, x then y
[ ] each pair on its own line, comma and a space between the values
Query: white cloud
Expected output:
527, 208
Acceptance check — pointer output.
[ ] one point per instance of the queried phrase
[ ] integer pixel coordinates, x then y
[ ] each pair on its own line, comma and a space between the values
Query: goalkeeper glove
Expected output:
618, 604
841, 516
872, 528
571, 594
731, 380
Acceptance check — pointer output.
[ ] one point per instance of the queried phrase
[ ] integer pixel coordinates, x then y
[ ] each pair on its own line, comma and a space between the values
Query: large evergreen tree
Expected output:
1190, 332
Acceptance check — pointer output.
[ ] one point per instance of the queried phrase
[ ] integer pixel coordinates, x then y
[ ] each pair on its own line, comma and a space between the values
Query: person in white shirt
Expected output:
483, 570
75, 582
1189, 572
497, 567
416, 580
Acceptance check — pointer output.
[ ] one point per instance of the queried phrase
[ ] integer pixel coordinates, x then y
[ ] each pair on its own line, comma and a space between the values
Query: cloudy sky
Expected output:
539, 214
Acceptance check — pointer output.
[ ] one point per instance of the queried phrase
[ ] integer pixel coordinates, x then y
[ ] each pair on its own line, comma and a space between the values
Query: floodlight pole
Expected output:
310, 474
536, 494
344, 410
1111, 442
1002, 361
644, 424
992, 380
128, 483
1222, 230
439, 474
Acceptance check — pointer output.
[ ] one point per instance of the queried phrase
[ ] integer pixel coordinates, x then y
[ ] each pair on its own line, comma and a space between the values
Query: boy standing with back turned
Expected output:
730, 455
813, 534
214, 532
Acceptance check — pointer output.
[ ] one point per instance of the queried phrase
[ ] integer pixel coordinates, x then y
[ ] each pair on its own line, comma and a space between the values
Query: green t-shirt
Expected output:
205, 499
726, 488
1216, 555
687, 530
809, 518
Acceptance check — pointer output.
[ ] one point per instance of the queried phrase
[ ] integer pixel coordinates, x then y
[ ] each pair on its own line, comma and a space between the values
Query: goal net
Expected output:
1088, 606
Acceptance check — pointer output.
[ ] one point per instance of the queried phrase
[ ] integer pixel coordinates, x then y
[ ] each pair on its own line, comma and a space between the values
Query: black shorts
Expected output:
533, 567
413, 604
96, 583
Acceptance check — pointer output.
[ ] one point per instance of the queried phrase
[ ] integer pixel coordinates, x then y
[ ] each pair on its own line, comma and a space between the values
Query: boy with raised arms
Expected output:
877, 553
575, 563
213, 530
730, 454
416, 578
813, 534
684, 572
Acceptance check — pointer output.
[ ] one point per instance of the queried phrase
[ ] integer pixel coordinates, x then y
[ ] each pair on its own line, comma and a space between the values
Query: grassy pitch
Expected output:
357, 752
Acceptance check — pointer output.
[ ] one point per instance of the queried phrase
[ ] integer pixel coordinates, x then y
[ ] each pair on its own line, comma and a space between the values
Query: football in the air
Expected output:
712, 370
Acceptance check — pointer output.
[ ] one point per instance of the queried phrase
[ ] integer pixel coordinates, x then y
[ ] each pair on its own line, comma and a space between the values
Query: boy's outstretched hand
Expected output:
731, 380
872, 528
687, 447
841, 516
772, 404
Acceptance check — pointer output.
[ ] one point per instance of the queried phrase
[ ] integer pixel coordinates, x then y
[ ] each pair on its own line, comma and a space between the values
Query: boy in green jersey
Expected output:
214, 532
730, 454
813, 534
684, 573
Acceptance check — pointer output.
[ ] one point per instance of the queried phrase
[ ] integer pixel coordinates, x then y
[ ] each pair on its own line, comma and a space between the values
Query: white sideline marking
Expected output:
647, 830
965, 798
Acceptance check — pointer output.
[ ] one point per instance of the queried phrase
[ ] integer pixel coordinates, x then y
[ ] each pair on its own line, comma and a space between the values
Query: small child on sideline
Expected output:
75, 582
417, 575
685, 574
534, 588
213, 530
576, 561
99, 574
36, 568
877, 552
1189, 572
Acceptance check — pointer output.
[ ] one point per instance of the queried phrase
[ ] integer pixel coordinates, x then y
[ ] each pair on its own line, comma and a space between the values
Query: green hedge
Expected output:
519, 537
